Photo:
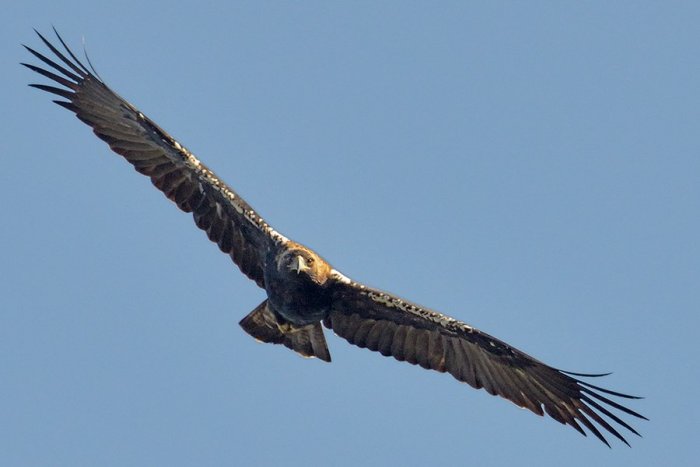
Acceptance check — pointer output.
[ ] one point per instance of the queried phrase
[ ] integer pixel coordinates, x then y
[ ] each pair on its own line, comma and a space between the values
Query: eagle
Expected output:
303, 291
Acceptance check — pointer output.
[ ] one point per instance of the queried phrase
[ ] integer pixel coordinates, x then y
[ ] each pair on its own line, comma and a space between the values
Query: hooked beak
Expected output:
298, 264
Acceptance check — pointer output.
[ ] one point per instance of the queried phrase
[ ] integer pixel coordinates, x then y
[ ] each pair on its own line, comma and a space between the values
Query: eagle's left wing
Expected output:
226, 218
394, 327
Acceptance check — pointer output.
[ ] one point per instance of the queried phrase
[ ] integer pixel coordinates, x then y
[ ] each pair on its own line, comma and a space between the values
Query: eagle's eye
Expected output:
310, 260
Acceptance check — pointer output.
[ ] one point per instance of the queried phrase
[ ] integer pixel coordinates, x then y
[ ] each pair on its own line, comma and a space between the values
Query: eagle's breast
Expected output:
297, 284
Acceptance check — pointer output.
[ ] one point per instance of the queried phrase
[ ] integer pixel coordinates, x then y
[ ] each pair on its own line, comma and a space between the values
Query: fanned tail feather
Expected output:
267, 326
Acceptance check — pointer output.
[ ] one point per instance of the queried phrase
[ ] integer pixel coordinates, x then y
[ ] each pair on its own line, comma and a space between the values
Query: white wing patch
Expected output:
391, 301
207, 177
340, 277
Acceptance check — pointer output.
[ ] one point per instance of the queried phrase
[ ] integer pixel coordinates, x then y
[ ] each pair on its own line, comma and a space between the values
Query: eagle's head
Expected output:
301, 261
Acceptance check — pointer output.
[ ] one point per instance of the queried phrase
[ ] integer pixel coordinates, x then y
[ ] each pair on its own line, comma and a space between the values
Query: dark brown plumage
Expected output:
303, 290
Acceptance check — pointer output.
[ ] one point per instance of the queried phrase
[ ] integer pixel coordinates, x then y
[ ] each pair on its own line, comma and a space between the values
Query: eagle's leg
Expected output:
267, 326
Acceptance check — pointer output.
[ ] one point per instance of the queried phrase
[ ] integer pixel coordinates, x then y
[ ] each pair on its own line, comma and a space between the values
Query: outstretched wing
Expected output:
381, 322
226, 218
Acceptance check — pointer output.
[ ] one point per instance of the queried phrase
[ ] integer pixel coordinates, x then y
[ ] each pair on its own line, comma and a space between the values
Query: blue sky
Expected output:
529, 168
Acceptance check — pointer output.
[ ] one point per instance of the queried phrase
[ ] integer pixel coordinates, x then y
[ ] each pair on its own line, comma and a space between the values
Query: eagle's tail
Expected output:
267, 326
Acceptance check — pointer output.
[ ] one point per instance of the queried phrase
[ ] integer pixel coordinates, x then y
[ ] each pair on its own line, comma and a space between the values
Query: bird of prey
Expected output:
303, 290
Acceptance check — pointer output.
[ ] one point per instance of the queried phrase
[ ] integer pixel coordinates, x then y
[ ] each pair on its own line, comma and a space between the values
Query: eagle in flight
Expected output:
303, 290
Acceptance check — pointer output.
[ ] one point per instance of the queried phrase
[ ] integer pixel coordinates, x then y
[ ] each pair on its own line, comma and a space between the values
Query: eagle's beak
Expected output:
299, 264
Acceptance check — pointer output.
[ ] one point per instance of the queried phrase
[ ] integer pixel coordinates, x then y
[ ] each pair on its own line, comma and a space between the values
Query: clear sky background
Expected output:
531, 168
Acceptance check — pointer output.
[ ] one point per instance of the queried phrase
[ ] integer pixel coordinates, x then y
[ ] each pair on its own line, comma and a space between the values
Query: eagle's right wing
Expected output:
227, 219
394, 327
